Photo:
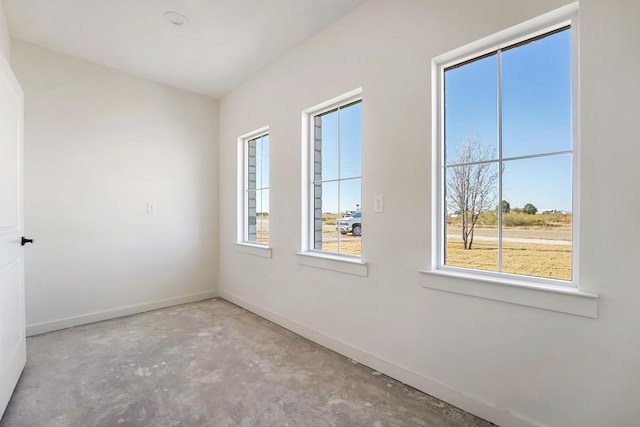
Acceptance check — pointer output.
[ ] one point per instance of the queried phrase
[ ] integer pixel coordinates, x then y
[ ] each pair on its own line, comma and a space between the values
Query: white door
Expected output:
12, 327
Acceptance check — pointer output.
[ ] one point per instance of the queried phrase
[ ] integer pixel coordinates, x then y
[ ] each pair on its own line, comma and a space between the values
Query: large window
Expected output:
505, 158
335, 177
253, 203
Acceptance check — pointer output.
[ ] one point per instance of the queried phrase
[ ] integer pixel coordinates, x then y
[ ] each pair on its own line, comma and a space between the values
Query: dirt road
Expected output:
517, 235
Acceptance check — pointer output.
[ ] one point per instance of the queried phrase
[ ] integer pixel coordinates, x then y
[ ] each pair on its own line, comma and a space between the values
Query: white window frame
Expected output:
242, 243
556, 295
309, 256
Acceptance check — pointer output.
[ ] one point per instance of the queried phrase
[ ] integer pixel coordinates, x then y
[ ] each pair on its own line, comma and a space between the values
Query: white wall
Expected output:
99, 144
5, 39
513, 364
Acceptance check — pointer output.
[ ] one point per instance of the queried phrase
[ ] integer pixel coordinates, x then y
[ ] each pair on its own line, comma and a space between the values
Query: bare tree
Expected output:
471, 185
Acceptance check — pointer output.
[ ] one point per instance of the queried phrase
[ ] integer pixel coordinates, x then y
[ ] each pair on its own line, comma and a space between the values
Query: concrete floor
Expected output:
207, 364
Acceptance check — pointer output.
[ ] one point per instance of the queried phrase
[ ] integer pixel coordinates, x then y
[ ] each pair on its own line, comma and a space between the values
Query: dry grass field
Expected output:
333, 241
262, 229
348, 245
531, 259
533, 245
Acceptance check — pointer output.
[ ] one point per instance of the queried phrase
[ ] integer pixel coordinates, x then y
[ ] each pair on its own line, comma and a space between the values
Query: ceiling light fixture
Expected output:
176, 18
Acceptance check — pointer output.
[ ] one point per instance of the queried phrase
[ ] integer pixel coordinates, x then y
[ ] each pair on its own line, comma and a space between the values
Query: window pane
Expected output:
264, 161
471, 106
350, 140
350, 189
350, 195
328, 144
262, 216
537, 239
252, 172
536, 92
471, 227
251, 215
326, 236
258, 160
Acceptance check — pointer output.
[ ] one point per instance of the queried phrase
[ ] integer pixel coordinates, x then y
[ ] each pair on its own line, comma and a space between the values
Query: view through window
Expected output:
257, 190
508, 159
336, 179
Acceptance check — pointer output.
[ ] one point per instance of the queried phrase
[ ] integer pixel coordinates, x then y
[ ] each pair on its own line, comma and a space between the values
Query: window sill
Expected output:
253, 249
547, 297
338, 263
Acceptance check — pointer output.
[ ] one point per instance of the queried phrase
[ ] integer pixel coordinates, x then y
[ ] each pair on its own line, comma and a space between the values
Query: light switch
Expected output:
378, 204
151, 208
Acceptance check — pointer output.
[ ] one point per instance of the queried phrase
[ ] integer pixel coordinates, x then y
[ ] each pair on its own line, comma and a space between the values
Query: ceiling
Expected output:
223, 43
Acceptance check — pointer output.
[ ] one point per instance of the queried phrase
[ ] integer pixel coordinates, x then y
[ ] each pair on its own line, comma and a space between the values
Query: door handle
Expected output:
25, 241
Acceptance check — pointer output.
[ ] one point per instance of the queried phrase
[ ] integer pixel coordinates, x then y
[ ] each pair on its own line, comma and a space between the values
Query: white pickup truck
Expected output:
350, 224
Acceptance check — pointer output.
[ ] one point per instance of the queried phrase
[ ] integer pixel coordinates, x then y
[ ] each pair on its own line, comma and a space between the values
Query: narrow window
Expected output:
506, 159
336, 178
254, 205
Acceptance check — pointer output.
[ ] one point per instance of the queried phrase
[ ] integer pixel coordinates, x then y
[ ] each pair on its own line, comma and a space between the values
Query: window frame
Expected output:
309, 256
557, 19
242, 242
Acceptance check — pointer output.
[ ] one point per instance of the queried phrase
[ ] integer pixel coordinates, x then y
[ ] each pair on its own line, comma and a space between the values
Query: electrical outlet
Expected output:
151, 208
378, 204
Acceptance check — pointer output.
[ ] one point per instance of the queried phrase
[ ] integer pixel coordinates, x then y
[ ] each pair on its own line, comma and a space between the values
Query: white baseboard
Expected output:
471, 404
83, 319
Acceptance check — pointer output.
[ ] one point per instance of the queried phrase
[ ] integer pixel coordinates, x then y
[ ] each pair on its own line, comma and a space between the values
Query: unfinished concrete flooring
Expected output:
207, 364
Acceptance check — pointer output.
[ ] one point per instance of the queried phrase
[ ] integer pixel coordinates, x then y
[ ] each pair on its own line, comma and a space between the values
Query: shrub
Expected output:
529, 209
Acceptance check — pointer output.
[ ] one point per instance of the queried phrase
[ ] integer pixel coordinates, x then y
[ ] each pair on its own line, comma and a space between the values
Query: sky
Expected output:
536, 117
342, 134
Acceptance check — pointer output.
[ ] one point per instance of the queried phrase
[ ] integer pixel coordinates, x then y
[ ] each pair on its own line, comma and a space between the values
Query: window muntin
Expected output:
336, 181
256, 190
507, 136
